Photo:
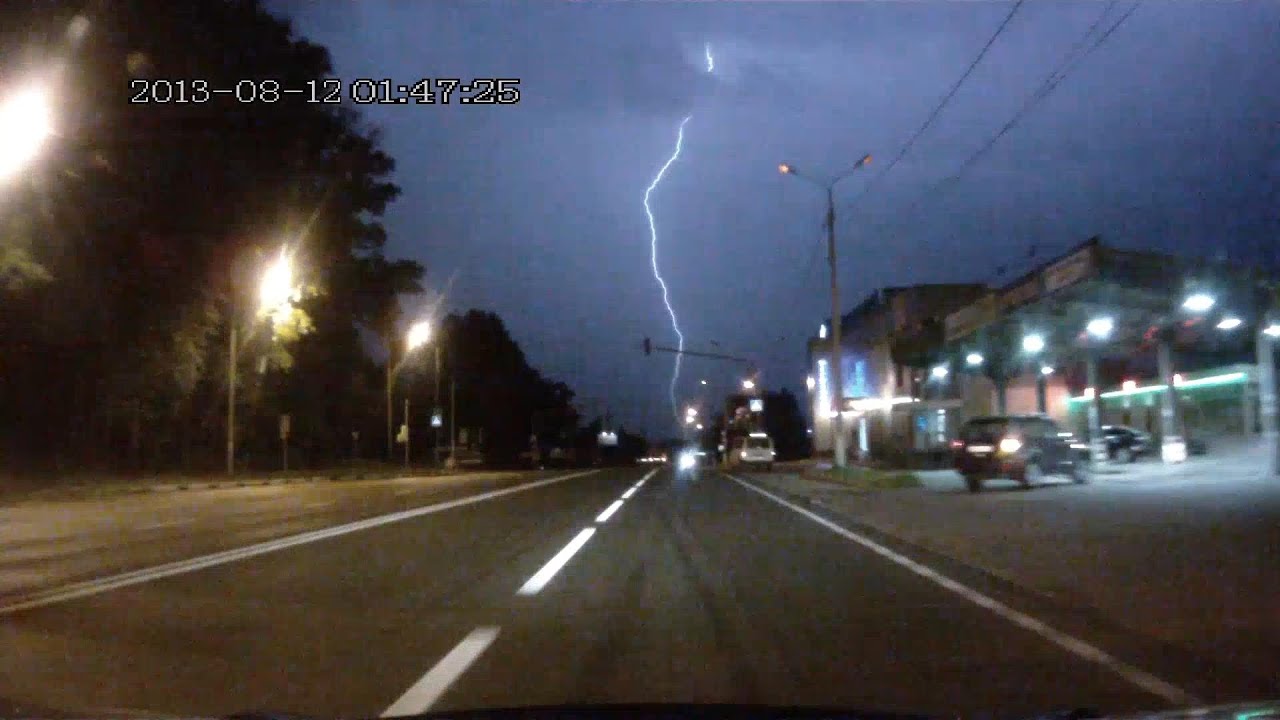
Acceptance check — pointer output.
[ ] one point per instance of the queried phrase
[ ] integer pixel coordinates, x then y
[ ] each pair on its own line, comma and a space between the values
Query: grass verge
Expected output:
860, 478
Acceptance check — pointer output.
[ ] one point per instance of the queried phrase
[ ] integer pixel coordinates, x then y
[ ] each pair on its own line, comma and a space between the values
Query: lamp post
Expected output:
829, 187
418, 335
276, 291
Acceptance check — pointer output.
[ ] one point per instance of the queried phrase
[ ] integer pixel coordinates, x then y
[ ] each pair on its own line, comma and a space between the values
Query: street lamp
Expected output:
1272, 330
1198, 303
1100, 327
974, 359
939, 371
1229, 323
699, 426
829, 188
1033, 343
810, 382
748, 385
702, 382
691, 411
276, 293
1046, 370
418, 335
26, 121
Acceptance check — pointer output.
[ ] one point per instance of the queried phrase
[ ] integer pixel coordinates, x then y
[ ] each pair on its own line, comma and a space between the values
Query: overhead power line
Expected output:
1065, 67
937, 110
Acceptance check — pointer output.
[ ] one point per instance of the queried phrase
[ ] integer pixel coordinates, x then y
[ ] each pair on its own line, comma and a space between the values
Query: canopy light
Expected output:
1198, 302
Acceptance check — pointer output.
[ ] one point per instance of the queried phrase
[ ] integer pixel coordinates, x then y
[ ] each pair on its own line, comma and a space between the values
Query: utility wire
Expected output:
1068, 64
938, 109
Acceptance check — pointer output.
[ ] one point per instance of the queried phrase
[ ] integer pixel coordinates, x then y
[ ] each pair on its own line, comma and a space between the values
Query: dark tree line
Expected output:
137, 237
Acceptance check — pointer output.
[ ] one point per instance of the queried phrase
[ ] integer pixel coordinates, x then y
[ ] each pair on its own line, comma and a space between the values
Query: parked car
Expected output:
1125, 444
1020, 447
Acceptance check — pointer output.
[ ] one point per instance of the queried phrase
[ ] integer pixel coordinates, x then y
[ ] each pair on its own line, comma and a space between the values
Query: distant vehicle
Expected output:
755, 450
1020, 447
1125, 444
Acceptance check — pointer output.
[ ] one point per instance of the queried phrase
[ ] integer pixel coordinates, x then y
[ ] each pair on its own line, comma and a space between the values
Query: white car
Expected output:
755, 449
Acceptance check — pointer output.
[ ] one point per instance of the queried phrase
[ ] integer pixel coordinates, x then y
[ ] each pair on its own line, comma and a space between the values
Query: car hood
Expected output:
703, 711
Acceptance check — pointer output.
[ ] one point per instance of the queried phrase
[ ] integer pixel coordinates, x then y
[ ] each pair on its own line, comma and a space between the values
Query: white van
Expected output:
755, 449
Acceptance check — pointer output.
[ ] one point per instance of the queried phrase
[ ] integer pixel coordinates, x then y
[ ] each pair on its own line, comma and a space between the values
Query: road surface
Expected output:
619, 585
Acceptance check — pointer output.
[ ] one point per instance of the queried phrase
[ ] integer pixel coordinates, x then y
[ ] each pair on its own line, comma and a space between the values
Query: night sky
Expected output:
1163, 137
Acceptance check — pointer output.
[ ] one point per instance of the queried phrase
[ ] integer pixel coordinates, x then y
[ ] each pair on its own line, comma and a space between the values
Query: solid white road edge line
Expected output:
423, 694
1134, 675
548, 571
135, 577
609, 511
630, 491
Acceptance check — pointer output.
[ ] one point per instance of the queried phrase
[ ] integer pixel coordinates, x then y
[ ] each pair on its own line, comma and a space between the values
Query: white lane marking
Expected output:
1136, 676
135, 577
548, 571
423, 694
609, 511
630, 491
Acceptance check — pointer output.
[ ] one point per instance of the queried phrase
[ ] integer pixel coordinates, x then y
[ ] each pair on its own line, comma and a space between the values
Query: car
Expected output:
1021, 447
755, 449
1125, 444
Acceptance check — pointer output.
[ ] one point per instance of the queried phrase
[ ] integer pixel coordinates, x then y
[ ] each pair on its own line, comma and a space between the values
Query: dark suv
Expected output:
1021, 447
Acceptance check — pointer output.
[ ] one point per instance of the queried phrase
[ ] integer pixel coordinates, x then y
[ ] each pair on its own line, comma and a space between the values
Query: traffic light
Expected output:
648, 347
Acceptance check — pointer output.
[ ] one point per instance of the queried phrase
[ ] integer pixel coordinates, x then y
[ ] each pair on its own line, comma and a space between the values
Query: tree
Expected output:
133, 244
786, 425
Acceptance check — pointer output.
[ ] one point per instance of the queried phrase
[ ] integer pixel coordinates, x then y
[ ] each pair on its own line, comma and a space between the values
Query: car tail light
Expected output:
1010, 445
957, 444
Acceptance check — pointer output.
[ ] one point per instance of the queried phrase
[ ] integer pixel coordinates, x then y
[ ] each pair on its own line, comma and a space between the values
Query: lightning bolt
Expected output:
653, 247
653, 261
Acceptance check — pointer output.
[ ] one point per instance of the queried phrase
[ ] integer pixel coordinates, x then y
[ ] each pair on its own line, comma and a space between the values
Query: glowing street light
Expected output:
702, 382
418, 335
810, 382
1198, 303
973, 359
1100, 327
26, 121
822, 331
691, 411
699, 426
748, 385
939, 371
1046, 370
1229, 323
1033, 343
1272, 330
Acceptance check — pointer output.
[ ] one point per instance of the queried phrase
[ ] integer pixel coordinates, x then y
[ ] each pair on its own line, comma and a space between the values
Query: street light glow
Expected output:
973, 359
418, 335
691, 411
1198, 302
939, 371
1273, 330
822, 331
26, 121
702, 382
748, 385
1033, 343
810, 382
1100, 327
699, 426
1229, 323
1046, 370
277, 289
785, 169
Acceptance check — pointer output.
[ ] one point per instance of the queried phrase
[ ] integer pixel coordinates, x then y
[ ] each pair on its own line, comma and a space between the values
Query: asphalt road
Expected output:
696, 588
